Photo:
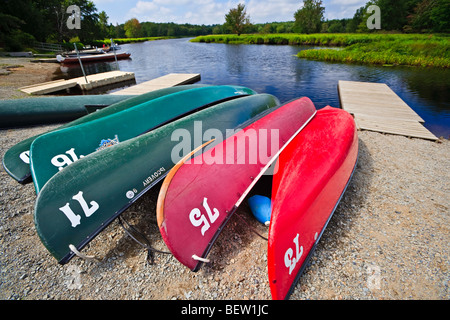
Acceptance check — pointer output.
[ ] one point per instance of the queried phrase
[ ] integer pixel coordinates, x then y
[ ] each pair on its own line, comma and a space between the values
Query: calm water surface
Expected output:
276, 70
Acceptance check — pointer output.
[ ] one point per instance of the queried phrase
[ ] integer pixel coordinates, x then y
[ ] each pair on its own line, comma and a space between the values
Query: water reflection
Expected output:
276, 70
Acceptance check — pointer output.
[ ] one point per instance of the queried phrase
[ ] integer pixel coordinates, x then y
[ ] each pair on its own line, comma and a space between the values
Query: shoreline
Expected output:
23, 72
415, 50
387, 240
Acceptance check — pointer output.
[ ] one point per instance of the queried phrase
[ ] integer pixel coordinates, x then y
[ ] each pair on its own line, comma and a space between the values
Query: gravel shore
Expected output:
388, 239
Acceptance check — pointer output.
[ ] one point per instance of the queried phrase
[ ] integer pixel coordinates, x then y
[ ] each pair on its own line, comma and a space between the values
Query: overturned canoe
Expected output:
313, 173
45, 110
56, 150
81, 200
199, 195
16, 160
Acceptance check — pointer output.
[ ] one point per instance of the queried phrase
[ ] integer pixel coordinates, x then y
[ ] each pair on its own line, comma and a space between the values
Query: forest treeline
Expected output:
22, 22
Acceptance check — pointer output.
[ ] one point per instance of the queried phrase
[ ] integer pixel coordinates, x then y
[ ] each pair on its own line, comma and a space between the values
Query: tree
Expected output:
357, 19
237, 20
440, 15
394, 13
431, 15
46, 20
89, 21
103, 25
309, 18
133, 28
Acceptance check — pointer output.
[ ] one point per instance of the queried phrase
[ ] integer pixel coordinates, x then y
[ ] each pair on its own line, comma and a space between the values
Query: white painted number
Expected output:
198, 219
289, 260
25, 156
88, 211
62, 160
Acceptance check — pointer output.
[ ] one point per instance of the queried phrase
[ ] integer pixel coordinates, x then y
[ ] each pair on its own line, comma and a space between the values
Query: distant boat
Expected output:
115, 47
73, 53
93, 58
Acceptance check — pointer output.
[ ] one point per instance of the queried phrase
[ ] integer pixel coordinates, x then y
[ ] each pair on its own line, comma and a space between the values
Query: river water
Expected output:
276, 70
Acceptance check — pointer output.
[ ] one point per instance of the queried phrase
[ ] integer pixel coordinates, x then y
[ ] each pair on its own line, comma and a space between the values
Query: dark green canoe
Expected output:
16, 160
54, 151
80, 201
45, 110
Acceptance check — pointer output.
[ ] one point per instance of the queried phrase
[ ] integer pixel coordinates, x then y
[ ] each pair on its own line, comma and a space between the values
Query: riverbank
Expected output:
20, 72
418, 50
388, 238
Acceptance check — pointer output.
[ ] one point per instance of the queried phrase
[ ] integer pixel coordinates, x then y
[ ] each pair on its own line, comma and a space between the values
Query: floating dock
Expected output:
169, 80
376, 107
94, 81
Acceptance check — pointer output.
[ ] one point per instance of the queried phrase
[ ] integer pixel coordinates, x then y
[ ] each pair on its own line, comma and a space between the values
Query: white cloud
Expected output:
272, 10
213, 11
339, 9
181, 11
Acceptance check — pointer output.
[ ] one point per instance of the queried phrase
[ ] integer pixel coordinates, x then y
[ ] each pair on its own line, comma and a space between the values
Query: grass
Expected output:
419, 53
423, 50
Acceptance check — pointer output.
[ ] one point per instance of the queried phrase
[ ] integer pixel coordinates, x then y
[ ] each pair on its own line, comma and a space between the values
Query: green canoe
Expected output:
54, 151
16, 160
45, 110
80, 201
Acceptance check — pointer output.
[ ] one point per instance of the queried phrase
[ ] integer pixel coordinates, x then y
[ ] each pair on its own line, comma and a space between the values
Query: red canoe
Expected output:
200, 195
314, 171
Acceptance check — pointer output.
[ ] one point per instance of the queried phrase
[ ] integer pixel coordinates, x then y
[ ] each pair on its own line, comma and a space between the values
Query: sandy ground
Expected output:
388, 239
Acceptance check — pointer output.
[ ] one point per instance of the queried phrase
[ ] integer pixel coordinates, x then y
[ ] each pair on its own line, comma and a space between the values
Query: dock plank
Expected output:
169, 80
94, 81
48, 87
394, 126
376, 107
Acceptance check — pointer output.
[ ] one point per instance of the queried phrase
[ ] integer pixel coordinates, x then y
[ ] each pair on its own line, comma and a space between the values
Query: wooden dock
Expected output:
94, 81
376, 107
169, 80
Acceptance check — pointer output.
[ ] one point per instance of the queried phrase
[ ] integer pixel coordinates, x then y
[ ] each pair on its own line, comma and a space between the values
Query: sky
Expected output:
210, 12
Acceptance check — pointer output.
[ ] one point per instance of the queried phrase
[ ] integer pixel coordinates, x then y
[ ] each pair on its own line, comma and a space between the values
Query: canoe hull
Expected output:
56, 150
192, 211
314, 171
112, 179
16, 159
33, 111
